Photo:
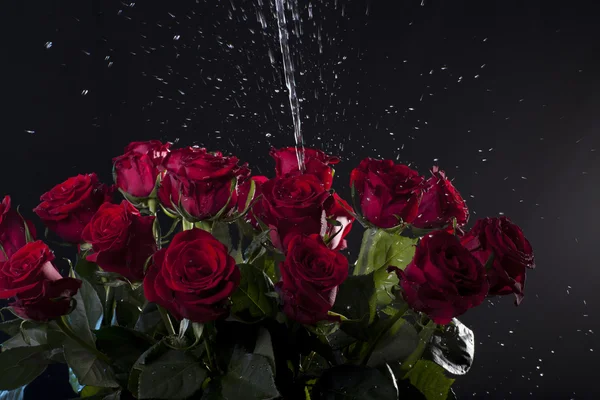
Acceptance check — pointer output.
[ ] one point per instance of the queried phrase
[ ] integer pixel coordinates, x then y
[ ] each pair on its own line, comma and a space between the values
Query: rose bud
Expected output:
12, 230
512, 253
293, 205
441, 204
255, 203
310, 276
193, 278
122, 240
337, 209
444, 279
40, 292
68, 207
136, 171
388, 193
200, 185
316, 163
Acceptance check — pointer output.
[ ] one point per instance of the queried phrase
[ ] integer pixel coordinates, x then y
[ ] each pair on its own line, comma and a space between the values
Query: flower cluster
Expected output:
287, 274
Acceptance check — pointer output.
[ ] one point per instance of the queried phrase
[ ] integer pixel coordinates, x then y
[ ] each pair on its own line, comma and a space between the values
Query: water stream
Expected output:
290, 82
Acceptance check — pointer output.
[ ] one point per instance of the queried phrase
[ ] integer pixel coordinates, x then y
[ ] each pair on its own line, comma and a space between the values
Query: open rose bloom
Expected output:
206, 281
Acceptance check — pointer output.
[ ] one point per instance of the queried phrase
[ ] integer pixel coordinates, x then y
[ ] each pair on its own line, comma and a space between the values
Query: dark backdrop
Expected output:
501, 94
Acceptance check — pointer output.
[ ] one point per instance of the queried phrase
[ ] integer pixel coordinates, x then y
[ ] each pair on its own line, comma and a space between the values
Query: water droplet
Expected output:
48, 45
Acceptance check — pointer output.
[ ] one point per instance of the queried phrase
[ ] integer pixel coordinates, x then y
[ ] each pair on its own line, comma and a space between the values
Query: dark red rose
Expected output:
316, 163
122, 240
337, 209
293, 205
440, 204
136, 170
512, 254
444, 279
12, 230
193, 278
387, 191
310, 276
199, 184
40, 292
244, 191
68, 207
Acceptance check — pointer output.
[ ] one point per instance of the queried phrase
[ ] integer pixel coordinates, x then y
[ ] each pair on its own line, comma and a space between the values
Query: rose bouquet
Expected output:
206, 282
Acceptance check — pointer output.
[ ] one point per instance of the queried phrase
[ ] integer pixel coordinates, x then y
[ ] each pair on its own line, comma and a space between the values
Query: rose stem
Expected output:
424, 338
66, 329
390, 323
166, 320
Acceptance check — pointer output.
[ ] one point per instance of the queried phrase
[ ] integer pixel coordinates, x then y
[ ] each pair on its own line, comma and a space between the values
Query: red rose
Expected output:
336, 209
512, 254
40, 292
293, 205
12, 230
193, 278
441, 203
387, 191
121, 239
244, 191
310, 276
444, 279
68, 207
198, 184
136, 170
316, 163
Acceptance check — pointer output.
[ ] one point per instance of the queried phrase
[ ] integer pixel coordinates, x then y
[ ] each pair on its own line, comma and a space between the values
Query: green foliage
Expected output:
353, 382
356, 300
429, 378
380, 249
250, 300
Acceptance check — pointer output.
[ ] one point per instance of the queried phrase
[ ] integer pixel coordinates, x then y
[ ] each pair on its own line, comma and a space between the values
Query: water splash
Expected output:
290, 82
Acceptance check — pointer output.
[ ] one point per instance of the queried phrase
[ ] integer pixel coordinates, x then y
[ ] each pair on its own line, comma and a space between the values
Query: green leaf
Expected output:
396, 345
249, 377
256, 247
88, 369
122, 345
146, 358
220, 230
250, 299
352, 382
90, 391
356, 299
113, 396
20, 366
429, 378
453, 348
148, 319
88, 312
16, 394
11, 327
264, 346
174, 375
380, 249
384, 283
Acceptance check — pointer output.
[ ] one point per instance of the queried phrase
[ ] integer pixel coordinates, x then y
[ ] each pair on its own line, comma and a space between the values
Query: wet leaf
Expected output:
356, 300
20, 366
249, 377
173, 375
380, 249
251, 296
454, 348
352, 382
429, 378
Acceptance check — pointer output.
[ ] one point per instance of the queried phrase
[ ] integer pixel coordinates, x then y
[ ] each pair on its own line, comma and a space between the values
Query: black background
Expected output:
503, 95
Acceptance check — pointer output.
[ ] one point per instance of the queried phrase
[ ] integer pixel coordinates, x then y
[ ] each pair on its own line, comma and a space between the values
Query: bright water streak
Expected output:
290, 82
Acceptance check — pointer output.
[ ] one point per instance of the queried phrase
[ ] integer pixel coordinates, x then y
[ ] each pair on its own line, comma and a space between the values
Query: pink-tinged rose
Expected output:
316, 163
444, 279
293, 205
244, 191
68, 207
310, 276
440, 204
387, 192
199, 184
513, 254
40, 293
137, 169
337, 209
12, 230
122, 240
193, 278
